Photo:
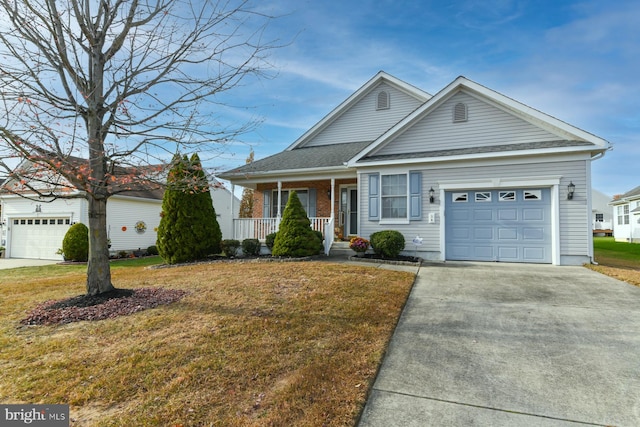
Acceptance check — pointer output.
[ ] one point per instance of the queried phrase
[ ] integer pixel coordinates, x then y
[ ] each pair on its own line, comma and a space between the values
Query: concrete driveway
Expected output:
20, 262
488, 344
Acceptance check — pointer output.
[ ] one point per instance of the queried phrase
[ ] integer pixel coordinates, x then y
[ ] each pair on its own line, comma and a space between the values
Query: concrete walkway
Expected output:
489, 344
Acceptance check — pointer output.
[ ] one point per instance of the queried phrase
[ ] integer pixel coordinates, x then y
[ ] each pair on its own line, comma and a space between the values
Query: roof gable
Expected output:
502, 122
357, 119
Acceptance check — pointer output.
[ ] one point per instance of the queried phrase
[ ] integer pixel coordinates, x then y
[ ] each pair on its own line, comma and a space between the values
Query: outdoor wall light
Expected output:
329, 194
571, 188
431, 195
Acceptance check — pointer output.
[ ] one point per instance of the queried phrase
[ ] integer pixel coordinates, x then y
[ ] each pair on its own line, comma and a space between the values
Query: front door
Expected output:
348, 216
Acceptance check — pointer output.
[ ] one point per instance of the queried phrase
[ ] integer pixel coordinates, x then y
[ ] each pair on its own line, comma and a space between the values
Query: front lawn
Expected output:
251, 344
617, 259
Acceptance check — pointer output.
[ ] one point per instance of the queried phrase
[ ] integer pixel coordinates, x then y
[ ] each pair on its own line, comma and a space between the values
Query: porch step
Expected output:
340, 248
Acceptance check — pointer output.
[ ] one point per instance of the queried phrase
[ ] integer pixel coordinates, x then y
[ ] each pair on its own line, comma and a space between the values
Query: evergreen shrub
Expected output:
230, 247
75, 245
251, 247
388, 243
269, 240
295, 238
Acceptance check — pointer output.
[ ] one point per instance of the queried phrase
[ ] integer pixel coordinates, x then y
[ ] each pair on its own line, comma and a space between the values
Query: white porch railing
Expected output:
258, 228
328, 235
602, 225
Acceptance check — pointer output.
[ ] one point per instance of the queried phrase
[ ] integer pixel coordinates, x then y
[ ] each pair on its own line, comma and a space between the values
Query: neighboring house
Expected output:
626, 216
35, 228
475, 175
601, 214
227, 206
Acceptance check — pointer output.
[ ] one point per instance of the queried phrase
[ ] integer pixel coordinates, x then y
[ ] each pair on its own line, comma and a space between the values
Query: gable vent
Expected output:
383, 100
459, 113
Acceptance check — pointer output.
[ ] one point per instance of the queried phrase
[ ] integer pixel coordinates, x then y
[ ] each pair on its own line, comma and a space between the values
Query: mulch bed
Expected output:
119, 302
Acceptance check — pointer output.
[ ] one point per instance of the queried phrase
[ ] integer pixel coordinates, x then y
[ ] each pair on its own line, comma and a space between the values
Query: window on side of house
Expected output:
394, 196
599, 217
623, 215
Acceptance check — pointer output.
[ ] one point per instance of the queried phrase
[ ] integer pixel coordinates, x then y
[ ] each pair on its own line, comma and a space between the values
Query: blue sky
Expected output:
576, 60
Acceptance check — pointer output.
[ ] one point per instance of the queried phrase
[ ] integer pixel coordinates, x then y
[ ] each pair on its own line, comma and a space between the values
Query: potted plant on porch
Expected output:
359, 245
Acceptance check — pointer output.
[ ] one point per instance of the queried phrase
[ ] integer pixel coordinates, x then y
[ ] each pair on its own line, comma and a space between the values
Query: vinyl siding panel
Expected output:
486, 125
574, 218
363, 122
126, 213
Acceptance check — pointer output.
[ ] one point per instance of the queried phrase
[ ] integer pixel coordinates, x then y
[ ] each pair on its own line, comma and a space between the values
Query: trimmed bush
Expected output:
152, 250
251, 247
188, 227
269, 240
295, 237
230, 247
388, 243
75, 245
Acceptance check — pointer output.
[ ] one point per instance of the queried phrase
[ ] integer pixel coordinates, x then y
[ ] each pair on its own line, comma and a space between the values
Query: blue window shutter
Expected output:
374, 196
312, 202
415, 195
266, 204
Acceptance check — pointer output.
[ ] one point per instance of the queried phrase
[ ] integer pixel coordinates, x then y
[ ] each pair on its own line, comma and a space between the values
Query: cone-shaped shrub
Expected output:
188, 228
75, 245
295, 238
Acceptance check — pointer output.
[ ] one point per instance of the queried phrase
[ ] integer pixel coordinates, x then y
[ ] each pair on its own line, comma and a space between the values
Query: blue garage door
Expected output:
498, 225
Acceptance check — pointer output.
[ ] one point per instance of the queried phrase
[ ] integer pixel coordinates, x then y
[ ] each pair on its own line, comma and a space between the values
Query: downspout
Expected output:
233, 220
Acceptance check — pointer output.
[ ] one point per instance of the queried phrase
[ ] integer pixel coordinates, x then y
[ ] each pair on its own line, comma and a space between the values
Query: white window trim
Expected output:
384, 221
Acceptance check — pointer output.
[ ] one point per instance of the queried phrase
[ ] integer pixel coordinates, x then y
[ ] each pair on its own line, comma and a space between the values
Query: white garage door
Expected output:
499, 225
38, 238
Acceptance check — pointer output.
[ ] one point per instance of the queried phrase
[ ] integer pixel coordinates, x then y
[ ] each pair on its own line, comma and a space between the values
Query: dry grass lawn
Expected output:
268, 344
617, 259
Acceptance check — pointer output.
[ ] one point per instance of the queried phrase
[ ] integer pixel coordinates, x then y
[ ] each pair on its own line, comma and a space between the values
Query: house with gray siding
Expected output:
473, 174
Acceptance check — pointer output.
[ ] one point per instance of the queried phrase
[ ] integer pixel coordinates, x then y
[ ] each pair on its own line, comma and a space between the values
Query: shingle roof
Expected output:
323, 156
631, 193
476, 150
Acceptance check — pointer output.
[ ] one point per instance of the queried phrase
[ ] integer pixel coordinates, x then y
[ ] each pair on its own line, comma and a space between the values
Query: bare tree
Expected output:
95, 91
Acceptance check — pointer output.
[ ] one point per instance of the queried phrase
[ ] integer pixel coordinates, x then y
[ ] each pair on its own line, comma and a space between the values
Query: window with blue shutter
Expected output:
374, 196
415, 195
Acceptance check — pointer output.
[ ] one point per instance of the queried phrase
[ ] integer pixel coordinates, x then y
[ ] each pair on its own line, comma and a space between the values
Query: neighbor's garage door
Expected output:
498, 225
37, 238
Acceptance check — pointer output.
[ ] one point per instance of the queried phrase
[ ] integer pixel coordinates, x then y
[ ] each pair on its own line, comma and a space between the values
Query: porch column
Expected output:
333, 198
279, 201
233, 225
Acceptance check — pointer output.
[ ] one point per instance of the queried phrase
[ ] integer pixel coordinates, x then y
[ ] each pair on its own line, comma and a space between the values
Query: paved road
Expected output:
487, 344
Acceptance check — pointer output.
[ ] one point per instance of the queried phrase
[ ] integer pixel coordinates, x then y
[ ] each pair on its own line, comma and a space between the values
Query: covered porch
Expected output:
331, 205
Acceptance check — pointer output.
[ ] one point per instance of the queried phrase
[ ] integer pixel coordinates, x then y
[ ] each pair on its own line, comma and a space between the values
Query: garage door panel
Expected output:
508, 253
499, 225
460, 215
507, 214
535, 254
482, 215
461, 233
483, 233
483, 252
531, 233
535, 214
507, 233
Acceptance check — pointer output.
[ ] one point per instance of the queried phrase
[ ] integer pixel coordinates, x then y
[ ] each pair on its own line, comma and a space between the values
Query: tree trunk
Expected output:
98, 269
